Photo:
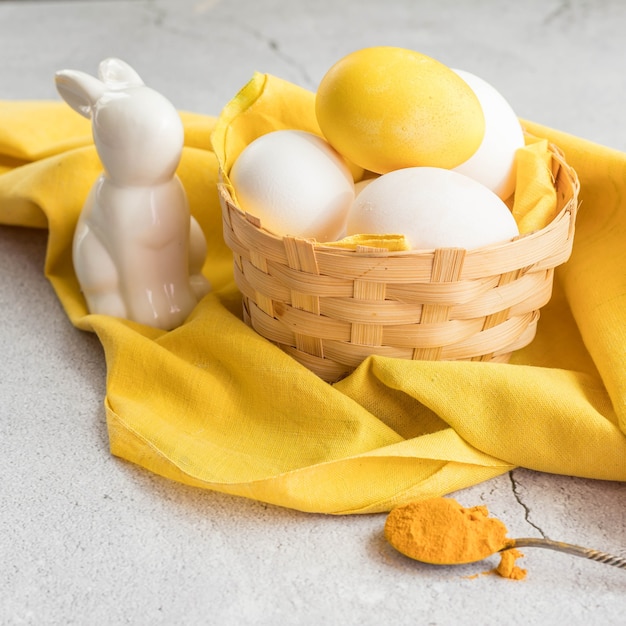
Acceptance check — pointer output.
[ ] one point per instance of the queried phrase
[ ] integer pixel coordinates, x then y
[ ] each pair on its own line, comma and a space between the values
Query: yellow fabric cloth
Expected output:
214, 405
536, 206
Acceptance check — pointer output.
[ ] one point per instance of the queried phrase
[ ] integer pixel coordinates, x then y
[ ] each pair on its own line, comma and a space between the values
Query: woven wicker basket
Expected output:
330, 308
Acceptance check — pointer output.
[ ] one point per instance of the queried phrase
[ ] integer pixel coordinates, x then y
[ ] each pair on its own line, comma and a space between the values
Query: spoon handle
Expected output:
559, 546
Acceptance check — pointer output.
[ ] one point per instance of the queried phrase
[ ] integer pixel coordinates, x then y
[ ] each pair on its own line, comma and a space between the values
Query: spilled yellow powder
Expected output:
507, 567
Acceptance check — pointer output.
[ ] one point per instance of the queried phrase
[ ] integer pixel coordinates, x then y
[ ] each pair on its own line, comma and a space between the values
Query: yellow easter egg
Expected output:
386, 108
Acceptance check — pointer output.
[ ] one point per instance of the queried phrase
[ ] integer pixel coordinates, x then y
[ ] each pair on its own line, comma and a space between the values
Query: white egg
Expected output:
432, 208
295, 183
493, 164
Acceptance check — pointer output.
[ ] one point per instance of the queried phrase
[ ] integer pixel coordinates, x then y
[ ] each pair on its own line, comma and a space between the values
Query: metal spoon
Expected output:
423, 529
560, 546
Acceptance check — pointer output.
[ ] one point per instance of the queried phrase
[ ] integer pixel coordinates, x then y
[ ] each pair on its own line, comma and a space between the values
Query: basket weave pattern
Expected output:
330, 308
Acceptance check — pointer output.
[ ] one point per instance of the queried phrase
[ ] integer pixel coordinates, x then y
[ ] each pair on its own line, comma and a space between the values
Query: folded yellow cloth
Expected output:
214, 405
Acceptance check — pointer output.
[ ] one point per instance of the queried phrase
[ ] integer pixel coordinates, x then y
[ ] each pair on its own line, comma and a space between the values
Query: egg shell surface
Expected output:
295, 183
386, 107
433, 208
493, 164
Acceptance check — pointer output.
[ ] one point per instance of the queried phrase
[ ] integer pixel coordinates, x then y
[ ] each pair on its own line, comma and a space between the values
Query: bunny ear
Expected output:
118, 74
80, 90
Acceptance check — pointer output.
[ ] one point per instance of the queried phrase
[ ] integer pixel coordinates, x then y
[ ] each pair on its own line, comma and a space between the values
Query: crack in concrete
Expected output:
272, 44
518, 497
158, 13
559, 12
158, 16
308, 82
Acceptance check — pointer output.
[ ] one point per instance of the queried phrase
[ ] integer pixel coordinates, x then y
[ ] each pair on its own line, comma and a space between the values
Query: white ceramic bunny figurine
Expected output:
137, 252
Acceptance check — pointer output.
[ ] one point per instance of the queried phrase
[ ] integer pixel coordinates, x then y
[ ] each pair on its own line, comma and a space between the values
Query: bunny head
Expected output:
138, 133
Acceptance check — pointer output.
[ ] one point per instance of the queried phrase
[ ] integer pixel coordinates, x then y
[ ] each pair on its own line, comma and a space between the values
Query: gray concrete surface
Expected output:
88, 539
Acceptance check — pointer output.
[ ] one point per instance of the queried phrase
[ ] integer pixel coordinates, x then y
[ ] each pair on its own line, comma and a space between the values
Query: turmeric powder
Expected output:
442, 532
507, 567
